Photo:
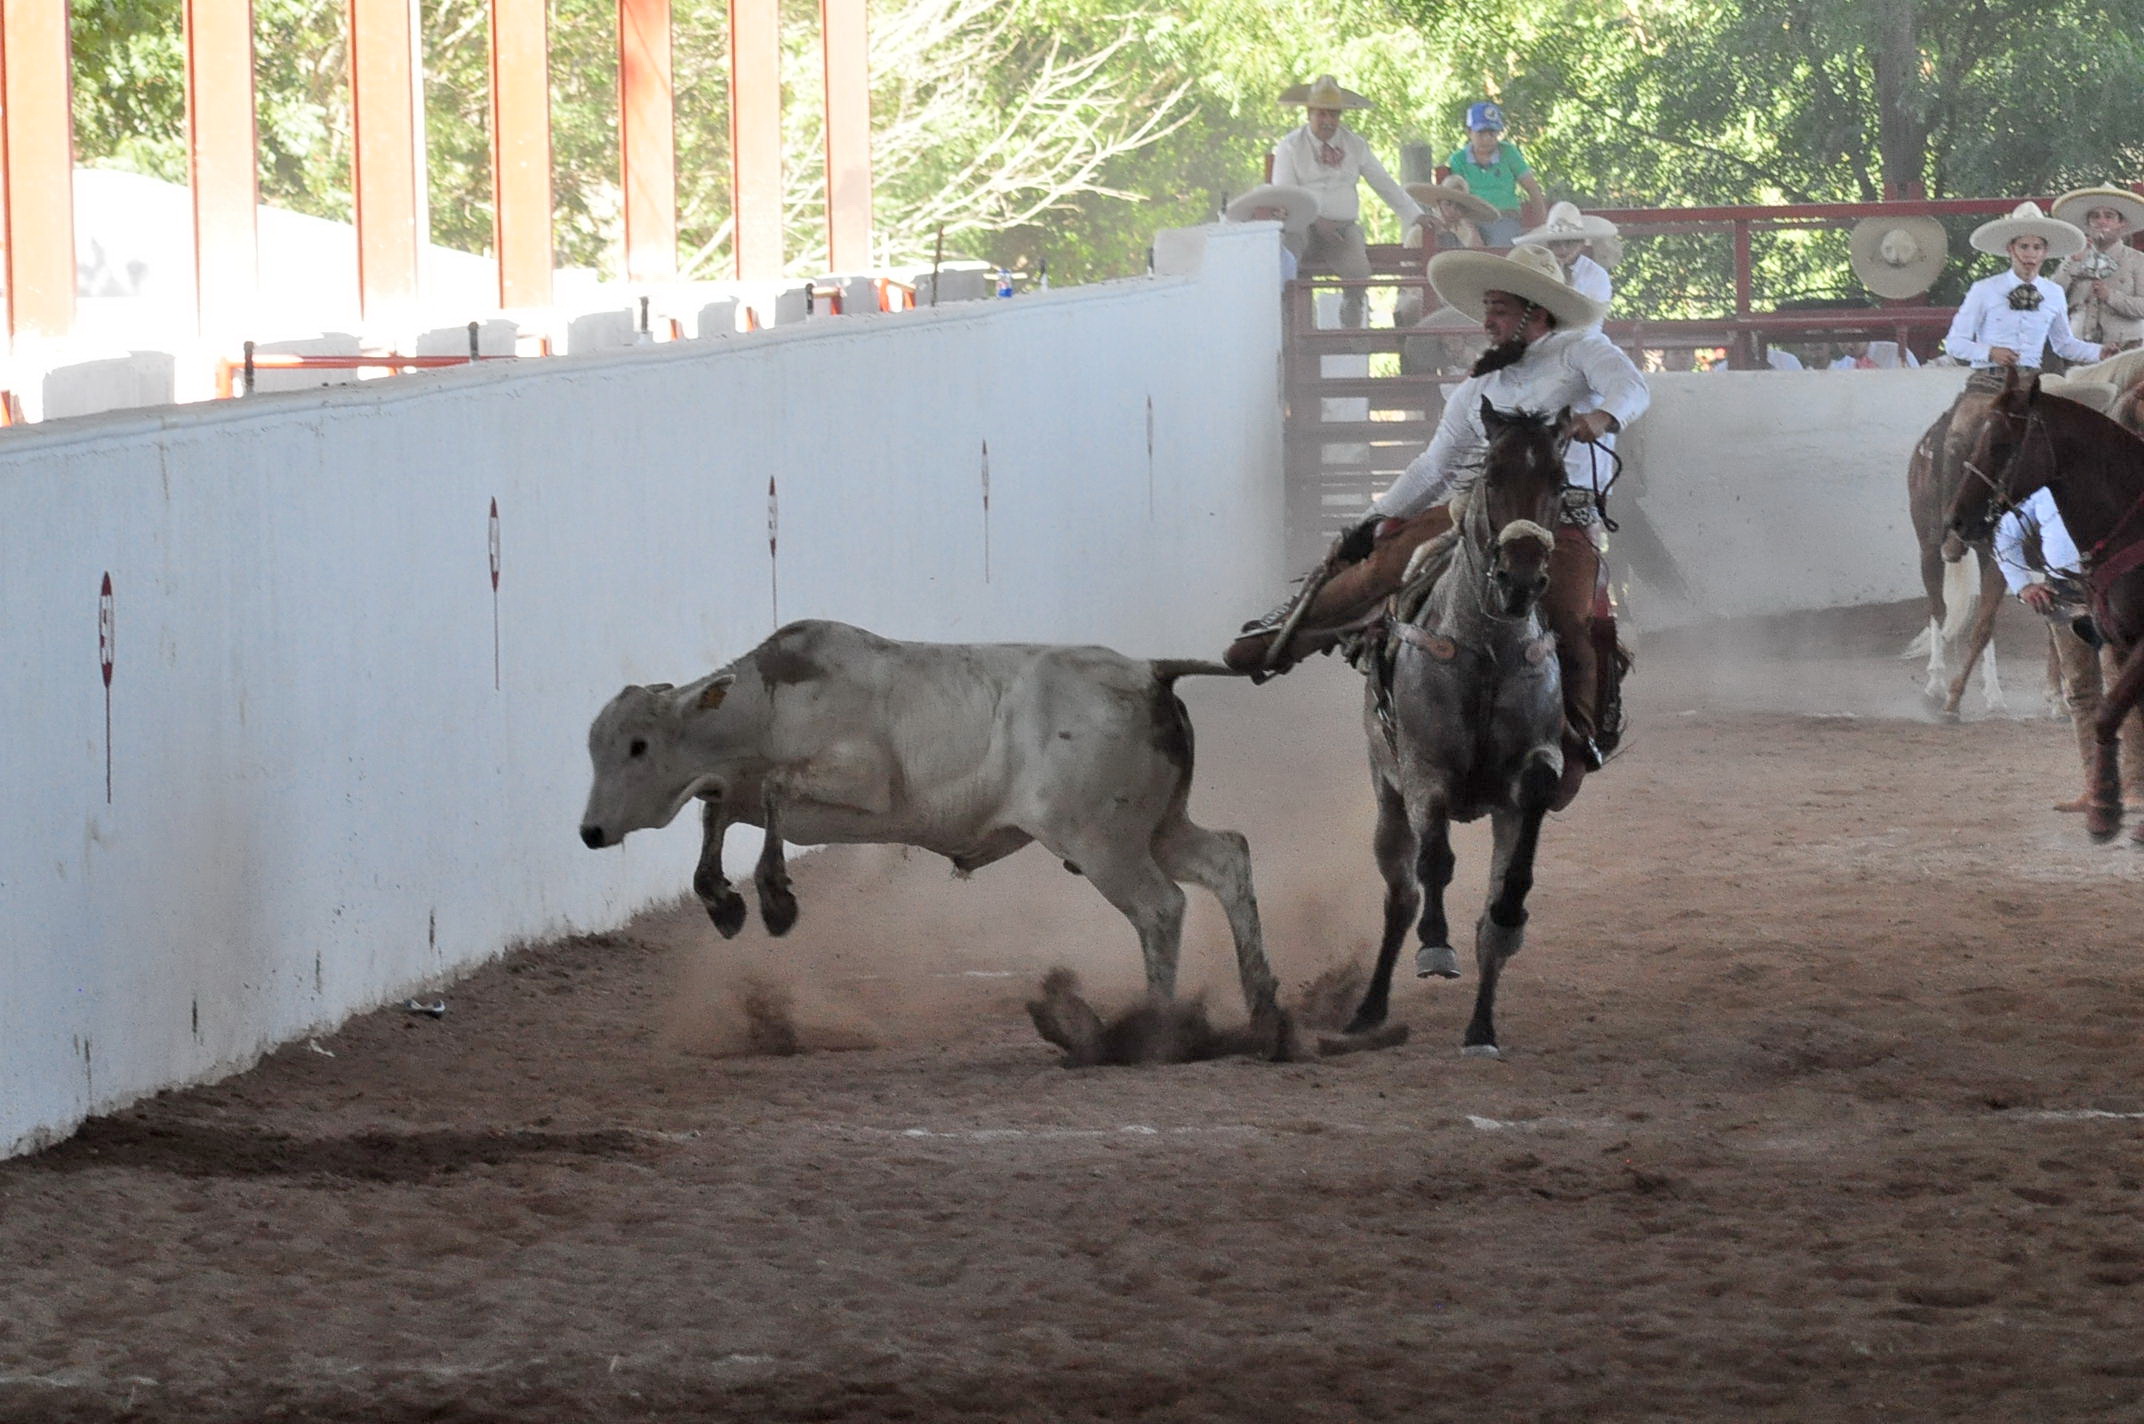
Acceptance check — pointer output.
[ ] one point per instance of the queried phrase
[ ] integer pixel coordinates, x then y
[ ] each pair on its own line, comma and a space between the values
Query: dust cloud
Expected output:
892, 949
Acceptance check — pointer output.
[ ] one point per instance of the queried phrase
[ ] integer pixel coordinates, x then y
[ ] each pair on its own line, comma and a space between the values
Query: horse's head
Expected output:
1999, 469
1518, 500
1522, 473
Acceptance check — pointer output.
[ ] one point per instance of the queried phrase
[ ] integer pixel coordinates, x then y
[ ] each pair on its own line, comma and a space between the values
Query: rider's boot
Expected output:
1611, 661
1346, 601
1574, 574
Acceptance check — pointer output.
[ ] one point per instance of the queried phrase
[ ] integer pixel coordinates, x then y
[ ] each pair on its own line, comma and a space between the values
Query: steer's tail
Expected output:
1170, 669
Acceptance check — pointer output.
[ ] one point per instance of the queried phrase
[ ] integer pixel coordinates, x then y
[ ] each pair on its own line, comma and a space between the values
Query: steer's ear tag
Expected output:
711, 695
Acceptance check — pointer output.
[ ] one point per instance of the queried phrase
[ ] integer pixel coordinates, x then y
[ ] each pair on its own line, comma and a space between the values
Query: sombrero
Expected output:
1530, 273
1567, 224
1897, 257
2026, 220
2073, 205
1323, 92
1453, 189
1300, 204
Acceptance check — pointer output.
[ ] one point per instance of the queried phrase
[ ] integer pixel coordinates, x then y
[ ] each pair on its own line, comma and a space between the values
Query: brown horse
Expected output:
2095, 470
1963, 595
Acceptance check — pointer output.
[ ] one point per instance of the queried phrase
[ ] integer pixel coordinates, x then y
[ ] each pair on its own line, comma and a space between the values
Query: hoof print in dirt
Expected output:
1149, 1033
1334, 1045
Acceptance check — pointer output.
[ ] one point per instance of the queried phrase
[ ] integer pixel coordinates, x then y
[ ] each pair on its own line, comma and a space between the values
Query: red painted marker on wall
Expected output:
106, 639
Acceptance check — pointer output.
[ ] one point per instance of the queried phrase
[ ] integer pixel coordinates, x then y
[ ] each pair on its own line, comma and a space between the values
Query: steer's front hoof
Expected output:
727, 911
777, 909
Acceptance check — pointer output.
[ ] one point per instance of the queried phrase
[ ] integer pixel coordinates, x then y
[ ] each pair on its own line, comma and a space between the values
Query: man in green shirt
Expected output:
1496, 171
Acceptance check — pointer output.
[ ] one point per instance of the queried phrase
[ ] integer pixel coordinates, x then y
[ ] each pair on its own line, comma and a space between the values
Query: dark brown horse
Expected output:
2095, 470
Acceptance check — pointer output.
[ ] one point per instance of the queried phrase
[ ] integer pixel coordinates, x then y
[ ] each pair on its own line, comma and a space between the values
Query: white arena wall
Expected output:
1780, 491
336, 760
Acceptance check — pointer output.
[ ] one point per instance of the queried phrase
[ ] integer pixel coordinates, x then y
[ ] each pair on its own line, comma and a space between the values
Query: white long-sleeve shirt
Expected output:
1575, 367
1985, 318
1592, 279
2058, 551
1295, 164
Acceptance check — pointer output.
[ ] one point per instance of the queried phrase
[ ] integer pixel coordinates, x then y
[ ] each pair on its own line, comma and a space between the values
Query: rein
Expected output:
1599, 491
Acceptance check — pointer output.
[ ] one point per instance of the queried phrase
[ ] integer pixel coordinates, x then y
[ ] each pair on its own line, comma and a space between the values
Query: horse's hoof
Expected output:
1480, 1050
1436, 960
727, 911
777, 910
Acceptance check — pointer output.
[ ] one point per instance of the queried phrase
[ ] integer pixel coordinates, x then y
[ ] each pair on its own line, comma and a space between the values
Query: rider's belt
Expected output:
1578, 506
1991, 378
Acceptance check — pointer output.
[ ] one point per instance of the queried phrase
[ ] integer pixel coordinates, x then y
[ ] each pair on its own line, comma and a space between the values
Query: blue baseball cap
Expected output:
1485, 115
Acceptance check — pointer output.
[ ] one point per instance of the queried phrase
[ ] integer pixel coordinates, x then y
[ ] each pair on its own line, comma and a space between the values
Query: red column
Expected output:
222, 155
383, 122
845, 25
647, 140
37, 166
521, 151
756, 135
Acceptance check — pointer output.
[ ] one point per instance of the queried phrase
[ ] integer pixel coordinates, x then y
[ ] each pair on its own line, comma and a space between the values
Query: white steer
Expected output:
828, 733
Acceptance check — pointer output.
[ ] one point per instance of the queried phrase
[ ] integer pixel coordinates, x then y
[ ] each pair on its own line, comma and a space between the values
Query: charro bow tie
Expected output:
2024, 297
1329, 154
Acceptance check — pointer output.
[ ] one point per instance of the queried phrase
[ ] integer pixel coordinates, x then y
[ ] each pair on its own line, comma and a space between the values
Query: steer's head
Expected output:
646, 767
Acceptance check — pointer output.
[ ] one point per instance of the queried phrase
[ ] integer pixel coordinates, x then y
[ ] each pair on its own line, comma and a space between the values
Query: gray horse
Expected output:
1469, 718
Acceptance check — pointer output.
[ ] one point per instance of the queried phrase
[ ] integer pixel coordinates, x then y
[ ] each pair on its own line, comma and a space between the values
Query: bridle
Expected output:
2000, 500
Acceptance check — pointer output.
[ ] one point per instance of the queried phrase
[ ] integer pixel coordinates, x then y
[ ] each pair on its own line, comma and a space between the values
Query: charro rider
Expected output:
1333, 161
2105, 282
1547, 355
2006, 319
1586, 245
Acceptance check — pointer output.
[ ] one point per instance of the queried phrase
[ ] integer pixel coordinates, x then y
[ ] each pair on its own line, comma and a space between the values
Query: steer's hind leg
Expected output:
1395, 847
724, 905
1123, 868
777, 902
1221, 862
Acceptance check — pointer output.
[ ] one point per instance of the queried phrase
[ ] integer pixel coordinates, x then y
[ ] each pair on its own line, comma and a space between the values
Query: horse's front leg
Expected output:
724, 905
1980, 649
1433, 867
777, 902
1395, 845
1502, 927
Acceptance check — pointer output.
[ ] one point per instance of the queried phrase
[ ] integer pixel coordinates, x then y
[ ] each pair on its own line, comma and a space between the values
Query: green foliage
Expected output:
1067, 131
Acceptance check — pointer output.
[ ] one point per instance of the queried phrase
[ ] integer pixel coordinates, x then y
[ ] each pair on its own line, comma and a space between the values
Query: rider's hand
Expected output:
1591, 425
2002, 355
2038, 597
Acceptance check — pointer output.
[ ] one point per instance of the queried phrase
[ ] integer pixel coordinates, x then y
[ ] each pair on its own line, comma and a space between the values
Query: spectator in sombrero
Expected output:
1496, 172
1333, 162
1292, 208
2008, 319
1586, 246
1451, 215
2104, 283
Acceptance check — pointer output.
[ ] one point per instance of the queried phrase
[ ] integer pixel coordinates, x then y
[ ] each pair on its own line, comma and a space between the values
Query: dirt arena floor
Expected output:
1823, 1099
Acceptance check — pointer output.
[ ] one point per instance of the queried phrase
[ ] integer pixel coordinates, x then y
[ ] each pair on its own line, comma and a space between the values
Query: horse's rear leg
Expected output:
1502, 927
2104, 816
1395, 846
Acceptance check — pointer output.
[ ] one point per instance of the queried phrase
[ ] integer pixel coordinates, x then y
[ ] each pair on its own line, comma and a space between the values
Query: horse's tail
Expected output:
1961, 593
1170, 669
